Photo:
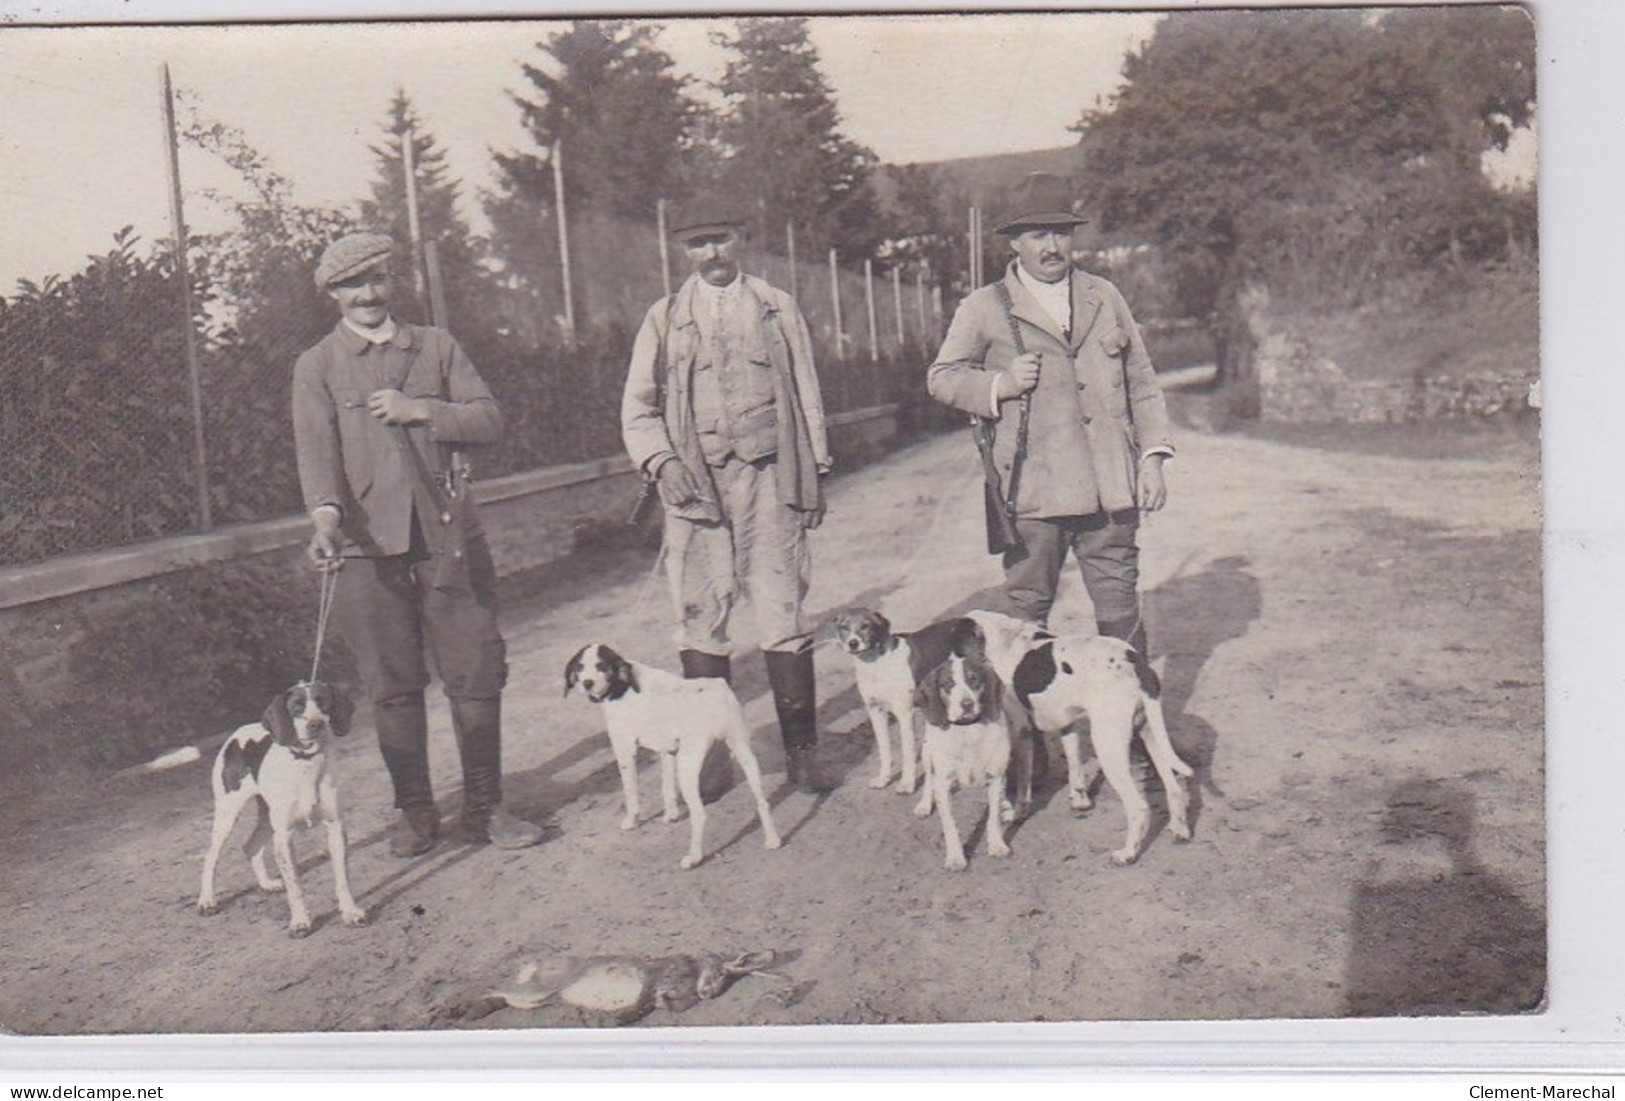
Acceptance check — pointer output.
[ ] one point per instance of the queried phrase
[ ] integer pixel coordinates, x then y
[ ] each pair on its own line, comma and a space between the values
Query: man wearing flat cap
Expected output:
1097, 424
380, 409
722, 410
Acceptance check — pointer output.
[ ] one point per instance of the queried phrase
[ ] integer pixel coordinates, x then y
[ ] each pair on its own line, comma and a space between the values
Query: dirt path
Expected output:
1351, 650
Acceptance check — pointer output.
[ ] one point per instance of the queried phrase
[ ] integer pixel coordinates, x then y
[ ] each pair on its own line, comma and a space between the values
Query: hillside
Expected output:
979, 177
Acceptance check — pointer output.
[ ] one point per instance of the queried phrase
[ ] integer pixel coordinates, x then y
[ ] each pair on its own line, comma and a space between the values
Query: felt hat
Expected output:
352, 255
704, 217
1038, 199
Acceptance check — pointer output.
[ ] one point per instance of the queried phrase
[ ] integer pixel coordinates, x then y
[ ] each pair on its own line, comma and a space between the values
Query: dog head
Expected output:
1003, 639
960, 691
862, 631
599, 673
298, 717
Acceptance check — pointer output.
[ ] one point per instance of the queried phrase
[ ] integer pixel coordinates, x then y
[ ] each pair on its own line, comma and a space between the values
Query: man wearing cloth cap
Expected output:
1098, 427
378, 407
722, 409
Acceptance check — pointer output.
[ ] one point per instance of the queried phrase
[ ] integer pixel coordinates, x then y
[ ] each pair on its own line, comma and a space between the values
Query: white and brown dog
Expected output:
967, 742
676, 718
888, 666
1062, 681
282, 764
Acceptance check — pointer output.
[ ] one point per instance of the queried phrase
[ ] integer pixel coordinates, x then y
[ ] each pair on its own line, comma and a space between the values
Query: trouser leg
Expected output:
1108, 553
403, 741
1031, 576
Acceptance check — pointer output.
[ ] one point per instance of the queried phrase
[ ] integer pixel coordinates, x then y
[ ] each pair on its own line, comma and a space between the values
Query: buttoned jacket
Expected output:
349, 458
1097, 407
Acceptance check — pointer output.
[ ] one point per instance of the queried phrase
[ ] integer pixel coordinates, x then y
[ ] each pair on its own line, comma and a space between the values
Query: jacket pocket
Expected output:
1114, 341
356, 433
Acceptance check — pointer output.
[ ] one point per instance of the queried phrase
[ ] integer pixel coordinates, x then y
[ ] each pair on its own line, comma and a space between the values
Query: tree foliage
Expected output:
1244, 143
783, 155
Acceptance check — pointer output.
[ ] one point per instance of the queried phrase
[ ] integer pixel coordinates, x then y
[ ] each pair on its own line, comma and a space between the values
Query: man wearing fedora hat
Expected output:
722, 410
378, 406
1097, 424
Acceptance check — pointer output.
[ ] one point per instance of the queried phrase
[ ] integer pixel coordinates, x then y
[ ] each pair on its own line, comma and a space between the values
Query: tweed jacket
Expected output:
657, 413
1097, 407
350, 459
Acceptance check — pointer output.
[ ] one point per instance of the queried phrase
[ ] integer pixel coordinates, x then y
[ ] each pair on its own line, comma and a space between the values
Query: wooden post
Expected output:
183, 272
557, 159
437, 286
897, 299
414, 223
919, 301
790, 246
665, 248
869, 304
835, 297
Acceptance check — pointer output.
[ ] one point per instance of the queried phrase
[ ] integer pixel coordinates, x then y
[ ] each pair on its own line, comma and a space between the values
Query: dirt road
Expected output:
1351, 647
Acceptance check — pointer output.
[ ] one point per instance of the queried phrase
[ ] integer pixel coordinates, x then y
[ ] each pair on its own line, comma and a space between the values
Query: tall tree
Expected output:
437, 200
611, 99
784, 154
1241, 136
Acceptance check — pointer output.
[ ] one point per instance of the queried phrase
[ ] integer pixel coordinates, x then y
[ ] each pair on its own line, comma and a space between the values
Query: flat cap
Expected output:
352, 255
704, 217
1038, 199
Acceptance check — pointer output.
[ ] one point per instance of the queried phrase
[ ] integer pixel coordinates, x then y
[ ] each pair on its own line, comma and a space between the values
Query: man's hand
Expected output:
1153, 487
678, 487
394, 407
323, 549
1021, 376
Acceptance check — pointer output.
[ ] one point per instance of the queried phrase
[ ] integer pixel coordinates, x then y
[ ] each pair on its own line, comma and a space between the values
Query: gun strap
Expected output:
1026, 401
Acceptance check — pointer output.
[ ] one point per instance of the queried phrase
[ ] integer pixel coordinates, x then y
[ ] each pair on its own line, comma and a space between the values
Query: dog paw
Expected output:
880, 781
923, 809
298, 930
1124, 857
356, 917
905, 787
772, 843
672, 816
1180, 830
690, 860
629, 822
207, 907
272, 887
1001, 849
956, 863
1079, 801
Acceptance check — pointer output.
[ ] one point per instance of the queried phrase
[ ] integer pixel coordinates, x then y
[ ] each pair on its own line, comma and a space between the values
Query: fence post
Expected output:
557, 159
919, 302
414, 223
790, 245
665, 249
835, 296
183, 271
897, 300
869, 304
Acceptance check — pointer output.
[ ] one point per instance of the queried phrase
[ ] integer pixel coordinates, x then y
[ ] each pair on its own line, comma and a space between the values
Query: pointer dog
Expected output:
1062, 681
967, 741
888, 666
676, 718
281, 763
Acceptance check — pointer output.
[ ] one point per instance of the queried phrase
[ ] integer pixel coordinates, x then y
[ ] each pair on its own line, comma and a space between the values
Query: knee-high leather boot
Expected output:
795, 698
403, 740
478, 726
699, 664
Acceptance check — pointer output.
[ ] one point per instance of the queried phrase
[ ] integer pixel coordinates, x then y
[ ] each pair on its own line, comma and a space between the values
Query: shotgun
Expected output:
1002, 537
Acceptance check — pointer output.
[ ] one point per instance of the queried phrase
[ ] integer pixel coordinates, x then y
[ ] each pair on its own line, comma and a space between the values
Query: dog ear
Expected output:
882, 622
968, 639
992, 691
572, 669
340, 711
928, 697
278, 717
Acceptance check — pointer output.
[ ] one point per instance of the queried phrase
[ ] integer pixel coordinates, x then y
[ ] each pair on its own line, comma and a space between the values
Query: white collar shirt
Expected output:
1055, 298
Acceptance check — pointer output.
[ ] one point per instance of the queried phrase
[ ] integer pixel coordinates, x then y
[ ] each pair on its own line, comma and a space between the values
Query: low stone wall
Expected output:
531, 520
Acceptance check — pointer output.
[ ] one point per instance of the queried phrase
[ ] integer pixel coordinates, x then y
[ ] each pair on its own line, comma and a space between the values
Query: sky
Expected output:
82, 140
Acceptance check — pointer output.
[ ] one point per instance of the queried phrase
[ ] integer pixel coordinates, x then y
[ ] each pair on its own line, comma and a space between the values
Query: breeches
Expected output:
1108, 555
757, 553
396, 624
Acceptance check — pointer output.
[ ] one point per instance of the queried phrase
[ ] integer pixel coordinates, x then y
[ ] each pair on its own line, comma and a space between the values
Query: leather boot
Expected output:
478, 727
716, 774
795, 698
403, 740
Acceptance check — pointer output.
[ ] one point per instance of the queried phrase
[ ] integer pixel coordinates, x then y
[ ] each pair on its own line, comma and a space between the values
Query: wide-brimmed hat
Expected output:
352, 255
704, 217
1038, 199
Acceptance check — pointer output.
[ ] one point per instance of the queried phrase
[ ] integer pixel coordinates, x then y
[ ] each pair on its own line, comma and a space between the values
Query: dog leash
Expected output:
324, 608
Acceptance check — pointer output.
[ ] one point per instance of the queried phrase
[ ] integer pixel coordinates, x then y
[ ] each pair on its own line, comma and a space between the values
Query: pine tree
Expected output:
784, 156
